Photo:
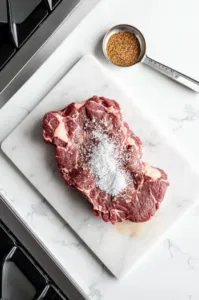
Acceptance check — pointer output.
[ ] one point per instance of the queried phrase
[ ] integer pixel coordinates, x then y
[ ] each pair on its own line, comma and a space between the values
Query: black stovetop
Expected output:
21, 278
18, 20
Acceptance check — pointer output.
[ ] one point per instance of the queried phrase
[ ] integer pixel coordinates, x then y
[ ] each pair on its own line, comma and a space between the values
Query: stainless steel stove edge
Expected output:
41, 45
39, 252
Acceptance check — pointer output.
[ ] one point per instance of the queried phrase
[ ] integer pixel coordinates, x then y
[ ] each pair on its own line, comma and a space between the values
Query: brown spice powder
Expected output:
123, 49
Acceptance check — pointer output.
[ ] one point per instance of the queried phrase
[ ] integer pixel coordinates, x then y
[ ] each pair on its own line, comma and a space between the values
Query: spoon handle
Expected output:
173, 74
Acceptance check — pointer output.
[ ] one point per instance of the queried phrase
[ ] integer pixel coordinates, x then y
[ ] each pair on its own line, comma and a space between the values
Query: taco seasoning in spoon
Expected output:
123, 48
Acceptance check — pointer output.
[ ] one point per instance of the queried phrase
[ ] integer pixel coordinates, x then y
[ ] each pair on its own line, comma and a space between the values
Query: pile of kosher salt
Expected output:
105, 165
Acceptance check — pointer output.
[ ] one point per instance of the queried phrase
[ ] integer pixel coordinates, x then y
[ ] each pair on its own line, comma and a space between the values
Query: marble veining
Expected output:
190, 114
94, 292
176, 281
5, 195
42, 171
191, 261
93, 285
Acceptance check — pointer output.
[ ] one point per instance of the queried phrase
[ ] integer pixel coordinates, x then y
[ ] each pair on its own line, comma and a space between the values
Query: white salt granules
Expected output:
104, 164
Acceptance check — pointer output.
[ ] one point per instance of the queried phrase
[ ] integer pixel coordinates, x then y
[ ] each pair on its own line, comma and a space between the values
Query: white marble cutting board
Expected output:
122, 247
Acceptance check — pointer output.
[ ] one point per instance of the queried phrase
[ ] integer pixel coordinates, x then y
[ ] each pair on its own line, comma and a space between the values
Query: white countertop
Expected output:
170, 28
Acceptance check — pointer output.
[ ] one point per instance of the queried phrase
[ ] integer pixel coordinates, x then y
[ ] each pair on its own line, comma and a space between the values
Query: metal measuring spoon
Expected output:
173, 74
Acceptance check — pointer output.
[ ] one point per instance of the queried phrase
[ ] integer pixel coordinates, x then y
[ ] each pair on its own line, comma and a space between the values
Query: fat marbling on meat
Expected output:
73, 132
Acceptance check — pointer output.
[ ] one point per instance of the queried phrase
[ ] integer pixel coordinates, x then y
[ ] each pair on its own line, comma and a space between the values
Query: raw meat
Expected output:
75, 132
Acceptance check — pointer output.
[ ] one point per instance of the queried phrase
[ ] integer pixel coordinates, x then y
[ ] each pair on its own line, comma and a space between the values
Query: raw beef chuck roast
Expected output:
99, 155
